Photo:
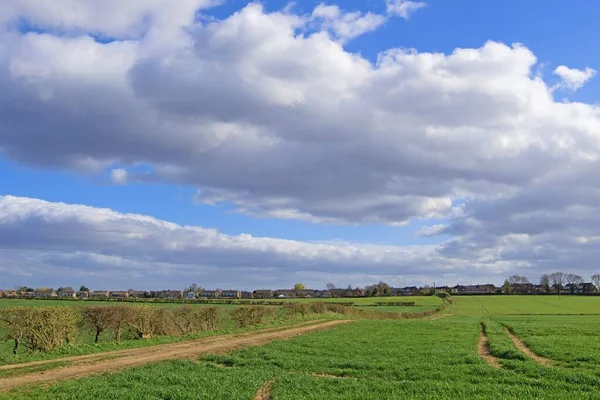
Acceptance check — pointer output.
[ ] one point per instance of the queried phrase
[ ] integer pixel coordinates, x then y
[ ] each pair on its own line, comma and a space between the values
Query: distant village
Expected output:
513, 285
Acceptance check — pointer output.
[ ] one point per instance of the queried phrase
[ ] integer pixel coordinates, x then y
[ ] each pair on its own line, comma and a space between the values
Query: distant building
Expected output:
585, 288
262, 294
305, 293
230, 294
246, 295
171, 294
118, 294
66, 293
138, 294
44, 293
82, 294
99, 294
209, 294
189, 295
285, 293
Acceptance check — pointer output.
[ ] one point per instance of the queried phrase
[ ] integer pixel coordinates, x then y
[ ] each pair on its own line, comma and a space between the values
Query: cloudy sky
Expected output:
256, 145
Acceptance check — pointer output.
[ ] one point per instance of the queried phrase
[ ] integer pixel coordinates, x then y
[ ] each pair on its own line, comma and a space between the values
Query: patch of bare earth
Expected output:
264, 392
97, 363
483, 348
521, 346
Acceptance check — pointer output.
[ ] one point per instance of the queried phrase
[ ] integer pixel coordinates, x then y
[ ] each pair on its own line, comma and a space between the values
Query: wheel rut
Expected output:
521, 346
483, 348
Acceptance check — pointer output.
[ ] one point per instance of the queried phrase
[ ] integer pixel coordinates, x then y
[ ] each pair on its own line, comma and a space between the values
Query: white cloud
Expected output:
573, 78
346, 25
403, 8
254, 111
55, 244
119, 176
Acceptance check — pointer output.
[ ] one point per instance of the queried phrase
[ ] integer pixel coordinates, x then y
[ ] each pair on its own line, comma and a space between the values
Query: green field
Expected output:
396, 359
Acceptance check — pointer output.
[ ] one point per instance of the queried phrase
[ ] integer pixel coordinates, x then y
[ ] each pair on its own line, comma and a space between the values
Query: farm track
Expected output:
523, 348
483, 348
264, 392
140, 350
97, 363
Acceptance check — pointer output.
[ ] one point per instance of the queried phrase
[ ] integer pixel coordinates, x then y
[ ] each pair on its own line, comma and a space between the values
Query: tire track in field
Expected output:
483, 348
264, 392
521, 346
183, 350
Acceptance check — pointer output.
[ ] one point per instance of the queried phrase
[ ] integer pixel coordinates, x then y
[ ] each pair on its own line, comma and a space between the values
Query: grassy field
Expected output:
412, 359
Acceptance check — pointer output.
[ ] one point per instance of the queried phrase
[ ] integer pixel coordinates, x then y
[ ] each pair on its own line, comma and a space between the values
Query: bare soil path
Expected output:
521, 346
97, 363
264, 392
483, 348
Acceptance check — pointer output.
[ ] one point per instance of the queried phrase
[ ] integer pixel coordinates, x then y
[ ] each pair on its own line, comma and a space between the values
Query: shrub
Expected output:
293, 309
40, 328
146, 320
249, 315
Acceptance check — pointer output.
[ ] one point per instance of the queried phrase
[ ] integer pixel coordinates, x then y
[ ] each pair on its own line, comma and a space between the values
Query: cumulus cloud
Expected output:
403, 8
61, 244
259, 111
573, 78
119, 176
346, 25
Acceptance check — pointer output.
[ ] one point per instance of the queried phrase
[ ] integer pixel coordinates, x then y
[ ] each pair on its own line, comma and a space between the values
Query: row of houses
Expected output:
521, 288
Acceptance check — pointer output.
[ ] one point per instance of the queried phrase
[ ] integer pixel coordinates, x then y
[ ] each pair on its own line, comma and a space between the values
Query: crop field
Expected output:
481, 347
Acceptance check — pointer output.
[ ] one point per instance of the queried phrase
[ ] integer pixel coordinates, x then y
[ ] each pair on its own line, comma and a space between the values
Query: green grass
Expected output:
519, 305
373, 360
396, 359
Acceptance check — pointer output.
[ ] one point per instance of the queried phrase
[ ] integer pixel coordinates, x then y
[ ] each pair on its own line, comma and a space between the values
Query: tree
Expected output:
299, 286
84, 289
596, 281
558, 280
381, 288
545, 282
572, 280
506, 287
516, 280
330, 286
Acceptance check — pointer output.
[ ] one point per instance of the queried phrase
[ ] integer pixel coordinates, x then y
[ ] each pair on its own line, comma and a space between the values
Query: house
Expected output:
585, 288
323, 293
262, 294
118, 294
10, 293
405, 291
357, 292
209, 294
338, 292
246, 295
65, 293
28, 294
303, 293
171, 294
99, 294
82, 295
44, 293
189, 295
230, 294
138, 294
285, 293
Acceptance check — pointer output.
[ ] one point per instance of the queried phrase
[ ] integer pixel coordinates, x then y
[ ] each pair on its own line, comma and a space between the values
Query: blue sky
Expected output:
452, 194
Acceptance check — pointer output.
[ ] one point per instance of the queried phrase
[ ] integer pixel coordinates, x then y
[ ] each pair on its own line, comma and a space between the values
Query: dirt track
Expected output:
521, 346
483, 348
98, 363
